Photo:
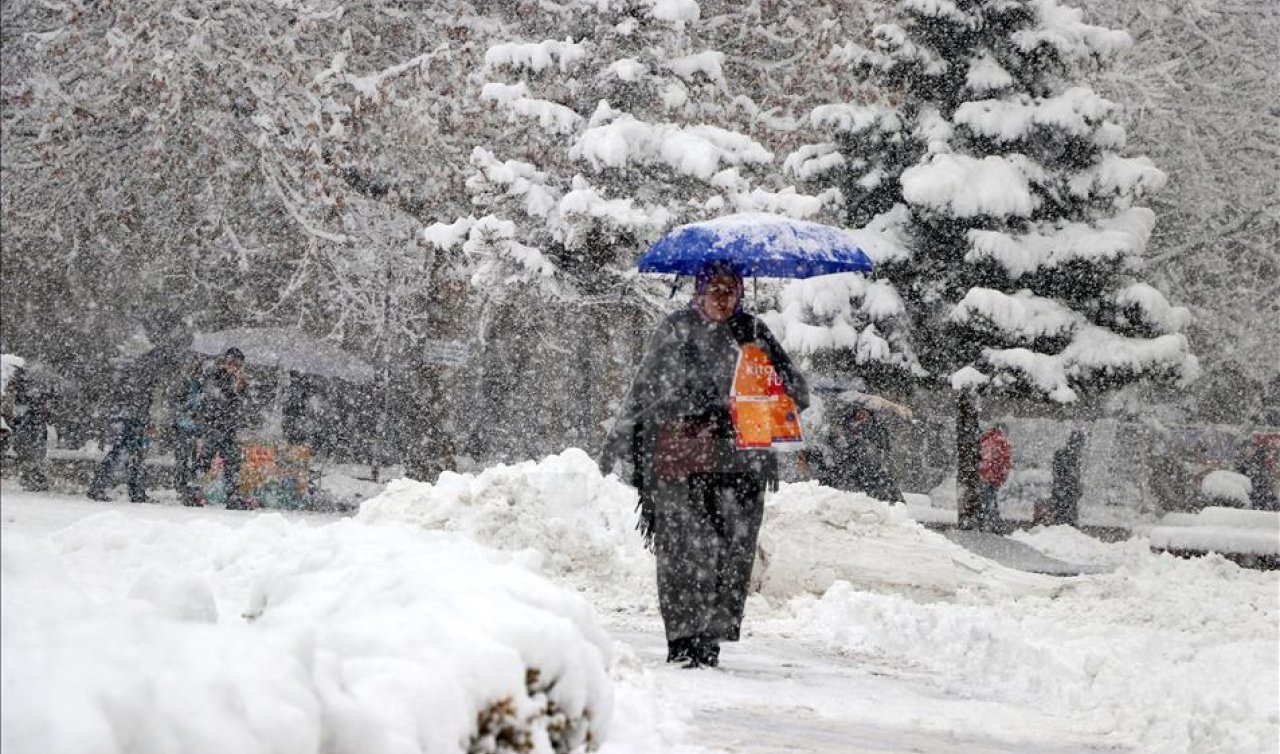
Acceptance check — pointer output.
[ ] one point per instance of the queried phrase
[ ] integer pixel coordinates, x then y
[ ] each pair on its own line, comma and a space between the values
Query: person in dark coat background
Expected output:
29, 422
130, 413
186, 409
995, 460
297, 423
1259, 465
701, 498
854, 450
224, 390
1064, 502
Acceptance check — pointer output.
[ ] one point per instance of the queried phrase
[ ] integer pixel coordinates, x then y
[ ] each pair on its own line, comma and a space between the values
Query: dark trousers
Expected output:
127, 438
705, 534
185, 445
31, 448
222, 443
989, 507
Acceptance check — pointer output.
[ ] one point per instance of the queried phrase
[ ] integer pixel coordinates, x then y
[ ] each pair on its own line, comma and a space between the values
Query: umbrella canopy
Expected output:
286, 348
758, 245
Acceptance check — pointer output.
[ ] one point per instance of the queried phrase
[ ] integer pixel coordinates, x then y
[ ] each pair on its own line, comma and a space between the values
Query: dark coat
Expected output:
854, 453
31, 412
186, 404
1065, 500
138, 382
687, 374
223, 401
1257, 466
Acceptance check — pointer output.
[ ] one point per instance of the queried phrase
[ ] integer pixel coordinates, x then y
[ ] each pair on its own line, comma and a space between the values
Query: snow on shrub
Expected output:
283, 637
1223, 486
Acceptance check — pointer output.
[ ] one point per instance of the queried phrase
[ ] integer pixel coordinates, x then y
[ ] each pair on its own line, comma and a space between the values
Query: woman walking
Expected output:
700, 471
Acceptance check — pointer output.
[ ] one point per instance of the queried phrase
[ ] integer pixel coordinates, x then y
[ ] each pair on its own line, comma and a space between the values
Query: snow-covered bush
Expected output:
1226, 488
291, 638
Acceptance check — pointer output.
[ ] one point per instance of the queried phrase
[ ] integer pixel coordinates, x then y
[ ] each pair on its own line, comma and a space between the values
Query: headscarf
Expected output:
710, 271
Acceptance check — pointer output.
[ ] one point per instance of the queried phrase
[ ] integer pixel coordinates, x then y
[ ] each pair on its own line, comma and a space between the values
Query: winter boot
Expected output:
191, 497
98, 494
681, 651
241, 503
707, 652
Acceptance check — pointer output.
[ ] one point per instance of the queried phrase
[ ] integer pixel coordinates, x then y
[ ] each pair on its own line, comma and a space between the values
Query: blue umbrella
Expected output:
757, 245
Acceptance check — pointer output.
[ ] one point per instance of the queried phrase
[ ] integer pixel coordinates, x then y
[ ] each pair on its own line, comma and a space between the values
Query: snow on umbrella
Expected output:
286, 348
758, 245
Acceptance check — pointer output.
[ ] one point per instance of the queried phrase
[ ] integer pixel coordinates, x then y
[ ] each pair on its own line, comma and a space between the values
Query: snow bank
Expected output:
1162, 655
815, 536
560, 513
124, 635
1223, 530
1074, 546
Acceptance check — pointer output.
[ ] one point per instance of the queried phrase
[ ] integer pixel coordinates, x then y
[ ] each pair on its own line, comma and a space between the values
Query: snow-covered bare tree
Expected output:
1199, 90
248, 164
1019, 218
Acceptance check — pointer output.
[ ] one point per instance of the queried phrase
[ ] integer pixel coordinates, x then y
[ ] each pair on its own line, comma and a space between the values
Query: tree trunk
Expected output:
967, 458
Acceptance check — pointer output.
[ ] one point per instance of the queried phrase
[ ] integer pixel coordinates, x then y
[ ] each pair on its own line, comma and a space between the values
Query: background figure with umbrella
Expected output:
275, 465
690, 436
26, 400
129, 414
853, 450
223, 395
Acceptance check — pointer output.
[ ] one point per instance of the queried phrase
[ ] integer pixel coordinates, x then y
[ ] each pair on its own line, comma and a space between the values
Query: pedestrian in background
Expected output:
129, 415
224, 389
28, 419
995, 460
186, 409
1259, 465
1064, 501
852, 451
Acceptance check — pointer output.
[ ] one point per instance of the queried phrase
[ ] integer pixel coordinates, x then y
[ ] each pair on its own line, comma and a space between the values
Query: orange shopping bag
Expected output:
764, 416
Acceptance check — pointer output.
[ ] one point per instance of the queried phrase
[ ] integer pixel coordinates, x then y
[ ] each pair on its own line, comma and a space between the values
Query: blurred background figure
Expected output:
26, 412
995, 460
128, 418
852, 451
1259, 465
186, 407
224, 391
300, 422
1064, 502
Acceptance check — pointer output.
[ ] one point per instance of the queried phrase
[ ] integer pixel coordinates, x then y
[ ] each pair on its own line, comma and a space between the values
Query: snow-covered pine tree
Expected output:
1018, 216
611, 138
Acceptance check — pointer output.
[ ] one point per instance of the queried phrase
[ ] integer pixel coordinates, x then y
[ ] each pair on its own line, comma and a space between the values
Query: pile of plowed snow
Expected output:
578, 525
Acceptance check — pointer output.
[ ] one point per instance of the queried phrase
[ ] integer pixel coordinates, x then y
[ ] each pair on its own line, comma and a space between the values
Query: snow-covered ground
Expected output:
157, 628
